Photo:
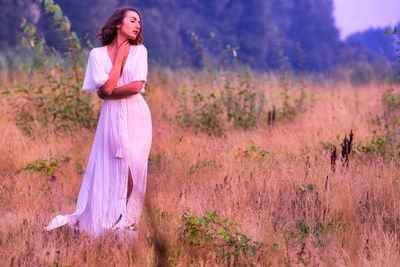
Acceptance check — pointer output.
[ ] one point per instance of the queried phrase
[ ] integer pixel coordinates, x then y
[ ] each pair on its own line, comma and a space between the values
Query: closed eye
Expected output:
133, 19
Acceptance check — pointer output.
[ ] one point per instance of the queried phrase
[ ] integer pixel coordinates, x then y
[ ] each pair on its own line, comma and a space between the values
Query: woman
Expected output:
114, 184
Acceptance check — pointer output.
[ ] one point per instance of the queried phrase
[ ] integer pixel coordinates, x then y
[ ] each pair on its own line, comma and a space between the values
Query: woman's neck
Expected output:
118, 40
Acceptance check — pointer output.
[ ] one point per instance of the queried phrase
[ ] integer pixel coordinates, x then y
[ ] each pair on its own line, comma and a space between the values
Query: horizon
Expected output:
374, 14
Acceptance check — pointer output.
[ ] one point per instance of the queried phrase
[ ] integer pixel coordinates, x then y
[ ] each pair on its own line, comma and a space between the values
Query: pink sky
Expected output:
357, 15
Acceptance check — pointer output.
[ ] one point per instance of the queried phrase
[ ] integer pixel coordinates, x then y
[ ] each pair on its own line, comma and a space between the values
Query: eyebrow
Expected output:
134, 18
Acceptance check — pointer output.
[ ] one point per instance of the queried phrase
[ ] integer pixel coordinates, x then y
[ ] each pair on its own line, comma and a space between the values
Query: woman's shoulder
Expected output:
141, 48
96, 50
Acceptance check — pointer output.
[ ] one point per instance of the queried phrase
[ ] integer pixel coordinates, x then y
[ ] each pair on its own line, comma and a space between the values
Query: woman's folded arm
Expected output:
123, 91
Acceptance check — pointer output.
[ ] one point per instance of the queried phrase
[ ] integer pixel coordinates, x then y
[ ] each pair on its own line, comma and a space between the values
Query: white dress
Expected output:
122, 142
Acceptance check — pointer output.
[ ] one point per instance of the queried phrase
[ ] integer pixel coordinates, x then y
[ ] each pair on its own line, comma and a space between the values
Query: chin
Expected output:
130, 37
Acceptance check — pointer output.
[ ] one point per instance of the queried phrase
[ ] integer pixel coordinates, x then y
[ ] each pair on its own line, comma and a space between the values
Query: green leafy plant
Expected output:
54, 102
303, 229
254, 152
42, 165
237, 106
202, 164
211, 232
240, 103
45, 166
387, 126
293, 103
205, 114
308, 187
386, 141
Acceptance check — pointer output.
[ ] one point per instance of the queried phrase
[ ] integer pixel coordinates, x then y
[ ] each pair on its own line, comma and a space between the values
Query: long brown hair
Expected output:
109, 30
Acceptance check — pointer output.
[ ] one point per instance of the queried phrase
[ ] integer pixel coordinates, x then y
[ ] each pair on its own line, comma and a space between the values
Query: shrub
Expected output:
204, 116
219, 235
55, 102
387, 131
240, 103
235, 106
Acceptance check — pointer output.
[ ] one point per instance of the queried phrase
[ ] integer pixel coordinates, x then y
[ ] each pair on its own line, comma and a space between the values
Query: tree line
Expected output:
262, 34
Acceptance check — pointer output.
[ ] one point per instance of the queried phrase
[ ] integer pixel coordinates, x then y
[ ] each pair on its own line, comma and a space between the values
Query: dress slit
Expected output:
129, 188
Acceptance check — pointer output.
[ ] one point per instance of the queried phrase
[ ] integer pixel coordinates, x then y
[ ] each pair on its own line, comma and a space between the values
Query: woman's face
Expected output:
131, 25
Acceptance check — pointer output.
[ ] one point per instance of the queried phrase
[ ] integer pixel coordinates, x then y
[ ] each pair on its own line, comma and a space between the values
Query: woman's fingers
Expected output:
100, 94
123, 49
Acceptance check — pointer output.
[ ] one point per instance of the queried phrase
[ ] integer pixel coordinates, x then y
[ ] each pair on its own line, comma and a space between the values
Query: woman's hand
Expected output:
116, 71
102, 95
123, 50
126, 90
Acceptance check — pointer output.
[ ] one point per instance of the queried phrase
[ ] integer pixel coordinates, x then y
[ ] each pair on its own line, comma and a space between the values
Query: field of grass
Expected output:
275, 181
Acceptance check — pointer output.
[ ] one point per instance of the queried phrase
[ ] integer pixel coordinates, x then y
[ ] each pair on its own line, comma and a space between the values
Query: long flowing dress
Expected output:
122, 142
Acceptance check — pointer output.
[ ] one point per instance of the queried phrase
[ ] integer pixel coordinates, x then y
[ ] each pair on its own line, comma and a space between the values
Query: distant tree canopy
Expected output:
263, 31
12, 13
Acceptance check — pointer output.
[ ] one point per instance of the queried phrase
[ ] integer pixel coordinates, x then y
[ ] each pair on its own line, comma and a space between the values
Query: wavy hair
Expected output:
109, 30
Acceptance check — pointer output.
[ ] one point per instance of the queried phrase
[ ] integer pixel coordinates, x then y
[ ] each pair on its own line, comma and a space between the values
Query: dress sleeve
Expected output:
140, 73
95, 75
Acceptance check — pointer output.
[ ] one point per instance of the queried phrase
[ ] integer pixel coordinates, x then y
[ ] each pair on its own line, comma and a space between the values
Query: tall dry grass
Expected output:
281, 192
